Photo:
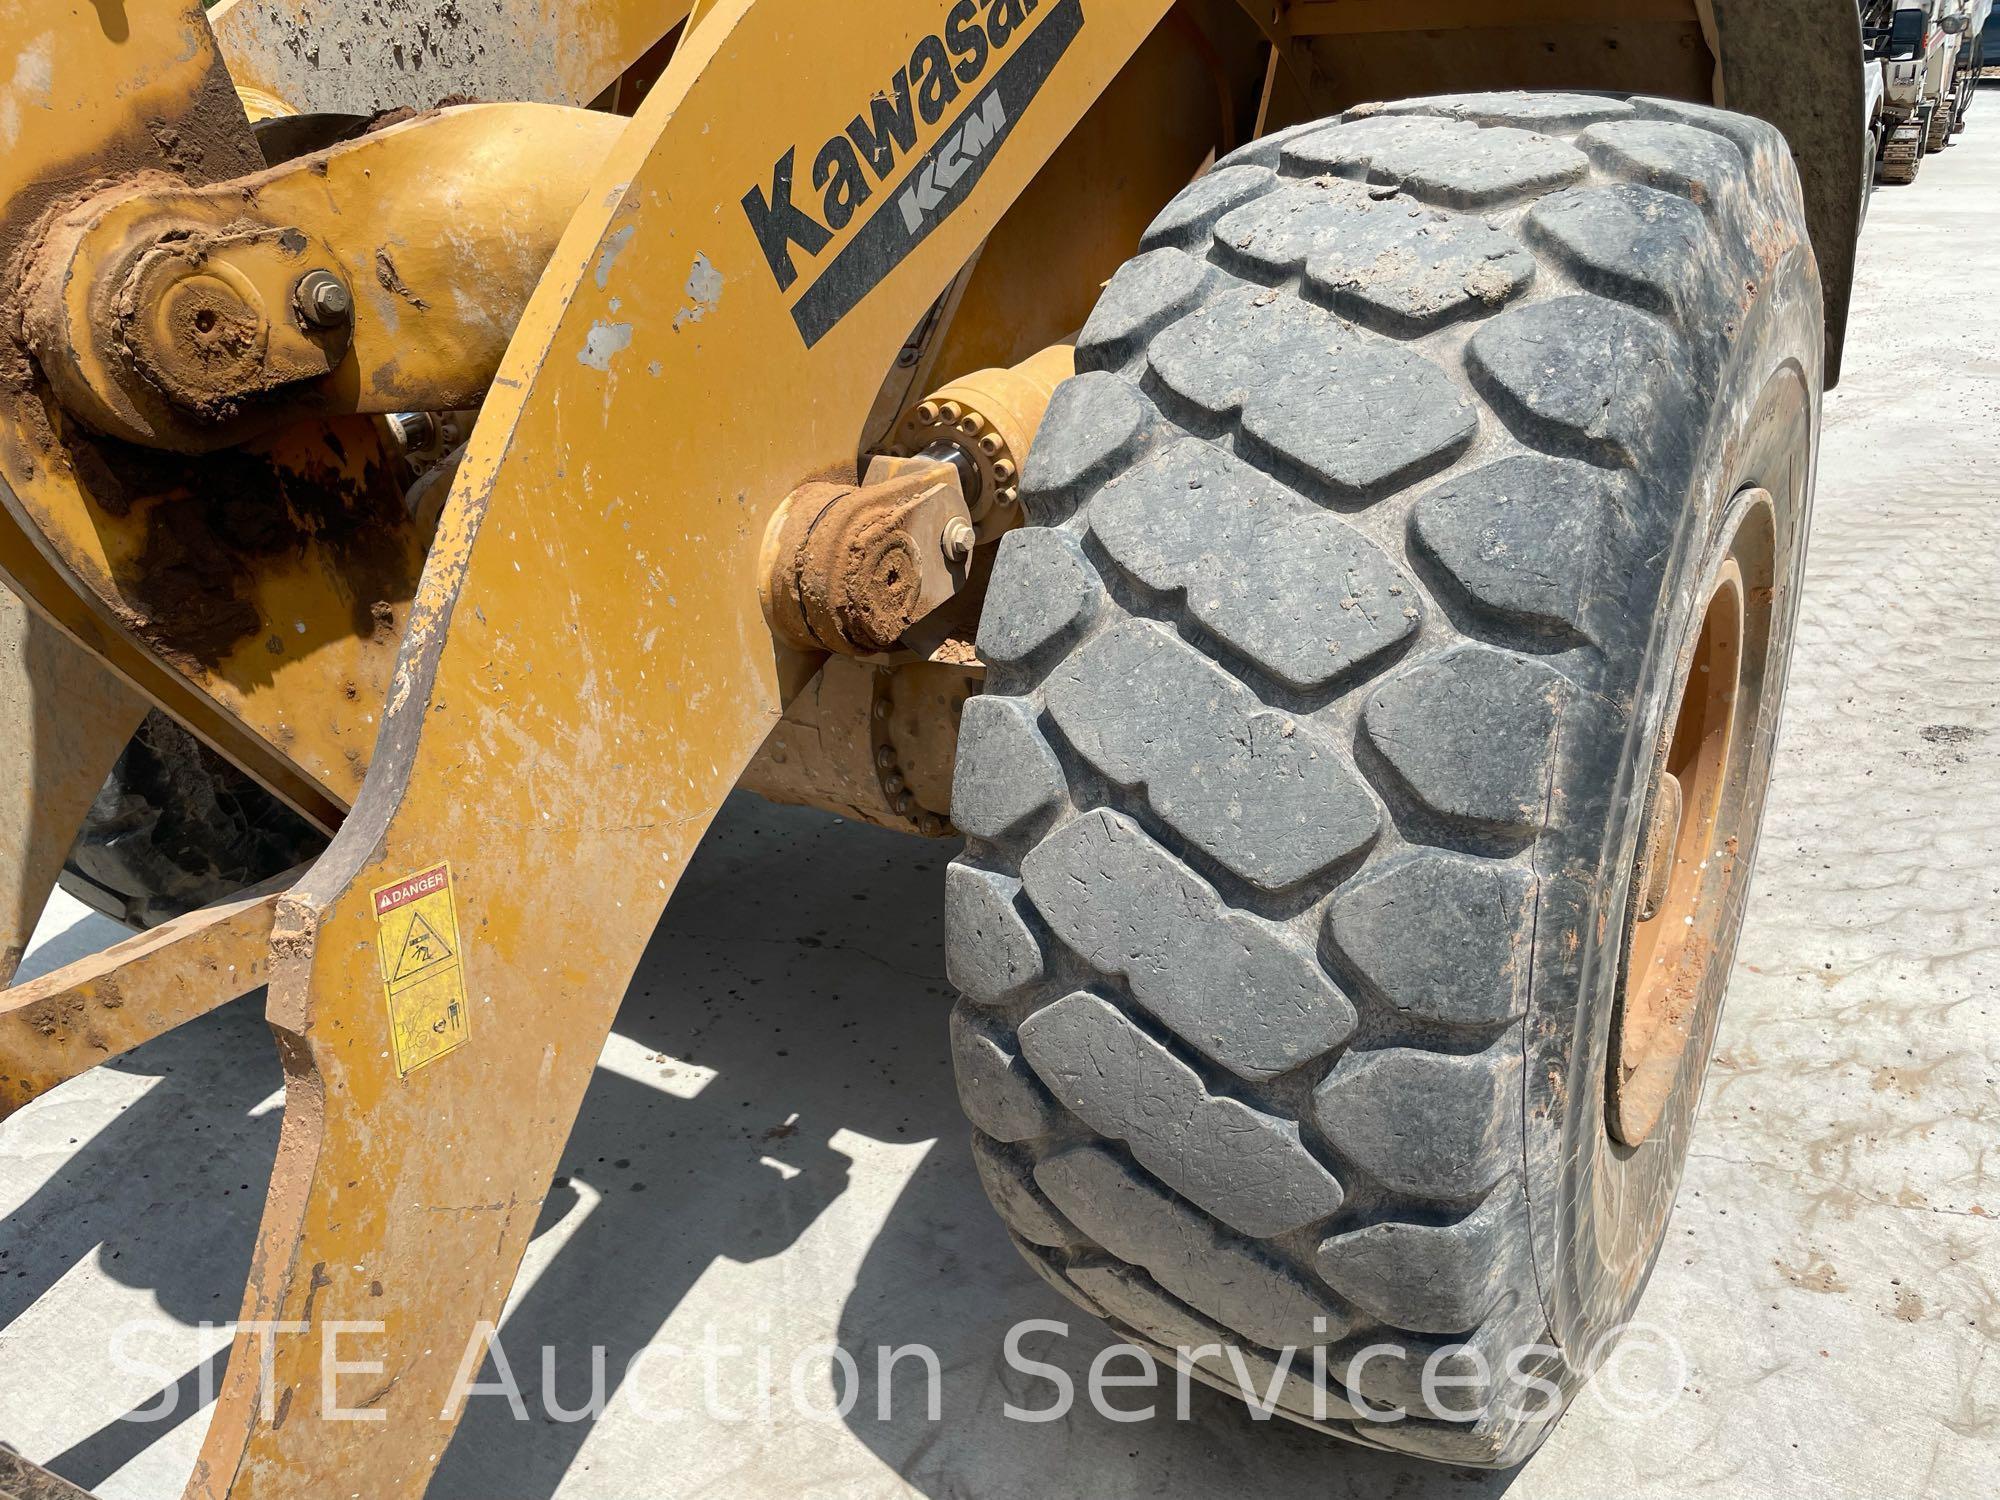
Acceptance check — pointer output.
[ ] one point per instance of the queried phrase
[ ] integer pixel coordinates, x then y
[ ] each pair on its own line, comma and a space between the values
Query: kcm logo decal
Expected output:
986, 63
951, 161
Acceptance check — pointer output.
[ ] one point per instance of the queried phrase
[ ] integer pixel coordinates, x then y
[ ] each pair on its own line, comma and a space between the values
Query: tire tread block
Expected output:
1760, 141
1583, 376
1094, 421
1248, 1168
1133, 1299
1267, 151
1296, 592
1438, 1126
1524, 537
1527, 111
1145, 296
1444, 937
1002, 1096
1211, 1270
1009, 1181
1392, 1375
1634, 243
991, 954
1006, 779
1688, 160
1428, 1278
1401, 269
1351, 414
1044, 594
1472, 732
1261, 792
1132, 910
1449, 163
1187, 221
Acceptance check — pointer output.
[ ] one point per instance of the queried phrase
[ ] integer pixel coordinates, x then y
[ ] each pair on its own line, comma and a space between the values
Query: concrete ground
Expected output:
771, 1154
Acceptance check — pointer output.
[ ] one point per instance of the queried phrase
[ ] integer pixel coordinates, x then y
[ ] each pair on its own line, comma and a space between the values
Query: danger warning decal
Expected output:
969, 82
423, 973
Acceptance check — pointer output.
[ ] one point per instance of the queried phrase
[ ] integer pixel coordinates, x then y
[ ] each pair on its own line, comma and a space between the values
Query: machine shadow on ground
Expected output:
793, 1006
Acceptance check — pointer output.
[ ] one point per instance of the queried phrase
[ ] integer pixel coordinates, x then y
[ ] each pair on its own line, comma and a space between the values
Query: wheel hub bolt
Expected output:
323, 299
959, 537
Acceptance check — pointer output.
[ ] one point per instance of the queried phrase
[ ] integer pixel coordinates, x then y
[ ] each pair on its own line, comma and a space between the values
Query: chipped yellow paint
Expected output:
423, 967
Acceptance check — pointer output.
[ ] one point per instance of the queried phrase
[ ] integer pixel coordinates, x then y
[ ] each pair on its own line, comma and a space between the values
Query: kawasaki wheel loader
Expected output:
1312, 492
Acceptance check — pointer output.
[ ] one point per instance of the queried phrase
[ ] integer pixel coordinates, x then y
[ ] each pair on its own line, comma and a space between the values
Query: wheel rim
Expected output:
1687, 851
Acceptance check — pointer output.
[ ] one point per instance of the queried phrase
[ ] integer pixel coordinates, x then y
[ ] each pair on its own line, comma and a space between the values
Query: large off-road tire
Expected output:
176, 827
1416, 466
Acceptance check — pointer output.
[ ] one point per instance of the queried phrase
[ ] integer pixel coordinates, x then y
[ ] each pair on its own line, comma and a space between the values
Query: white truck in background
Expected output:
1929, 56
1968, 60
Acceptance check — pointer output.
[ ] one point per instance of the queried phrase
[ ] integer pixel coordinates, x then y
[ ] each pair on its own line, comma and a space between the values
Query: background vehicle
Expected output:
1965, 21
1976, 49
1912, 49
1930, 52
1354, 658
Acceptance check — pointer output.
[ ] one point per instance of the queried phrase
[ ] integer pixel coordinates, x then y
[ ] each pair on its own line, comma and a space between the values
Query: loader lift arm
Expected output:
553, 556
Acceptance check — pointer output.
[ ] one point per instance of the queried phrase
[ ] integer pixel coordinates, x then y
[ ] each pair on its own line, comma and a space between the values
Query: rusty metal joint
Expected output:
380, 275
853, 567
213, 320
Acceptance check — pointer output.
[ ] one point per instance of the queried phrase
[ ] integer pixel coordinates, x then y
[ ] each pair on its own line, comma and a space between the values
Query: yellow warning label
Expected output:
416, 932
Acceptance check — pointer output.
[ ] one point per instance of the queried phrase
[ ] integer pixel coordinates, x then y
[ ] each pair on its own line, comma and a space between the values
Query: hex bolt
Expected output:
323, 299
958, 538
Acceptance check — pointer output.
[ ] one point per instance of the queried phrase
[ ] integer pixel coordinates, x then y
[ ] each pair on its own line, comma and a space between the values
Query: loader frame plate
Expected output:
586, 672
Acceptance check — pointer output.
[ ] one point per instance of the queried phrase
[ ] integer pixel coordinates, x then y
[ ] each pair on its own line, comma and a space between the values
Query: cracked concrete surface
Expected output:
771, 1149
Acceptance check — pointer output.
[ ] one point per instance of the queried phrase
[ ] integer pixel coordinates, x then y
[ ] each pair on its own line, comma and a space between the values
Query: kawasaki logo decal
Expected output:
984, 49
